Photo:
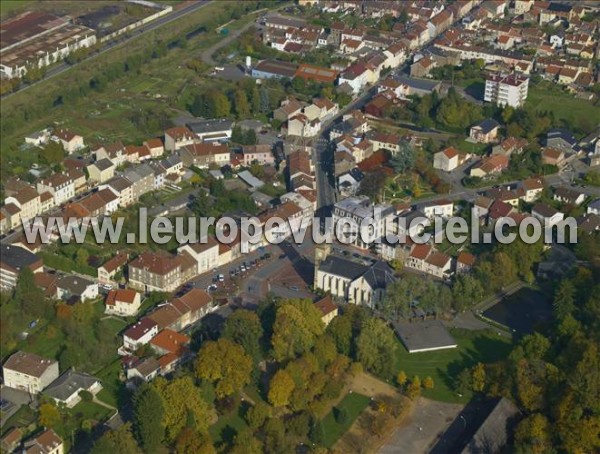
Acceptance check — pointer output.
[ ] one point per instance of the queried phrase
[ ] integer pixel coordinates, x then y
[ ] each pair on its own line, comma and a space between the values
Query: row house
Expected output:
205, 254
178, 137
156, 147
300, 125
510, 146
261, 154
59, 185
115, 152
114, 265
307, 205
489, 166
203, 155
179, 313
155, 272
122, 188
102, 170
27, 202
142, 180
288, 212
426, 259
322, 109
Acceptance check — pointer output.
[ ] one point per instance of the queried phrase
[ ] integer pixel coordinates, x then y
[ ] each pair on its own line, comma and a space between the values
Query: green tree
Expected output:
49, 415
297, 324
148, 413
119, 441
240, 102
246, 443
533, 434
376, 347
413, 390
257, 415
280, 388
404, 159
428, 383
244, 328
226, 364
478, 378
564, 299
190, 441
181, 399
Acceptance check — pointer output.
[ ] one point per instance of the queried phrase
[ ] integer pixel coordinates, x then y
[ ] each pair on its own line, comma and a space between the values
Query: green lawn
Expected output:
444, 365
354, 404
564, 106
112, 386
474, 148
227, 426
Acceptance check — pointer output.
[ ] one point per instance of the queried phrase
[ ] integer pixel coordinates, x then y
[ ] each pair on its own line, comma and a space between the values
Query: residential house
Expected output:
156, 147
425, 258
142, 179
178, 137
172, 165
533, 188
203, 155
485, 131
561, 139
464, 262
115, 152
260, 154
437, 208
184, 311
102, 170
29, 372
11, 441
553, 156
509, 146
172, 346
300, 125
140, 333
28, 202
570, 196
71, 286
289, 108
107, 272
449, 159
357, 76
122, 302
489, 166
70, 141
66, 389
594, 207
547, 215
59, 185
321, 108
145, 369
13, 259
371, 221
156, 272
205, 253
122, 188
48, 442
328, 309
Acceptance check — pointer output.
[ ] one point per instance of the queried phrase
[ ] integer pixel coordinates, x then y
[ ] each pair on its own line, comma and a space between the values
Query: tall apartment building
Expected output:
507, 89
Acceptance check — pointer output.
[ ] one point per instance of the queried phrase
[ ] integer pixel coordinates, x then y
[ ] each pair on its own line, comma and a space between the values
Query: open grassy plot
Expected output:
444, 365
354, 404
227, 426
112, 386
578, 112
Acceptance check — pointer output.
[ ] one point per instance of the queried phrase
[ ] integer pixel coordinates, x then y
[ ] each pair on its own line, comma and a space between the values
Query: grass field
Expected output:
354, 404
227, 426
444, 365
565, 107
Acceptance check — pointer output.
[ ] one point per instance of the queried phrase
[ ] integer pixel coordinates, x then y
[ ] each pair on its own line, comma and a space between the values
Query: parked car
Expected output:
221, 278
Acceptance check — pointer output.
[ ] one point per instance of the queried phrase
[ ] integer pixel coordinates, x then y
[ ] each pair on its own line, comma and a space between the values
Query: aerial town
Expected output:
401, 119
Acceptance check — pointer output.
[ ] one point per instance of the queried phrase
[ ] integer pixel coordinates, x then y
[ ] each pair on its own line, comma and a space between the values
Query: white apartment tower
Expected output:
507, 89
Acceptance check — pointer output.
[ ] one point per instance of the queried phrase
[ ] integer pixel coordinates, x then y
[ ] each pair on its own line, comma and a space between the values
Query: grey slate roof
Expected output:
342, 267
17, 257
69, 383
208, 126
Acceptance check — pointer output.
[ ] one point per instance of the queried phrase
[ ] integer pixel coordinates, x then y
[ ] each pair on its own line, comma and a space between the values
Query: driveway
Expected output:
12, 399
